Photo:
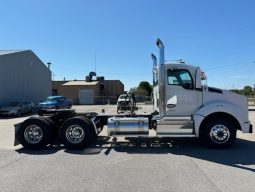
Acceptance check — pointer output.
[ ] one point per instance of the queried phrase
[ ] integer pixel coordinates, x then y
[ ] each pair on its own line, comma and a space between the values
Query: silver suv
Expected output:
125, 102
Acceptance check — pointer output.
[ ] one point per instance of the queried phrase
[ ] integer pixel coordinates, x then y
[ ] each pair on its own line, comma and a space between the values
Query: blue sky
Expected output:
217, 35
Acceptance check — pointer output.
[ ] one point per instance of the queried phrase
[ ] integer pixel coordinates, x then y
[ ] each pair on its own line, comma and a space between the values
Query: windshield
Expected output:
124, 97
13, 104
51, 99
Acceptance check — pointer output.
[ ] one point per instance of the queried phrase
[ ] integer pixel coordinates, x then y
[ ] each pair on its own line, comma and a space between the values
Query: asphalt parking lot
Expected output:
127, 164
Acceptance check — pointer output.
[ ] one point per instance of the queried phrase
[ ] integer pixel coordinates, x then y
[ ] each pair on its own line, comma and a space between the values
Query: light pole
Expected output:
254, 90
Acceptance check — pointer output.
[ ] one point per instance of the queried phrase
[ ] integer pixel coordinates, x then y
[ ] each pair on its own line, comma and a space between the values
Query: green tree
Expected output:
239, 91
247, 90
133, 90
145, 85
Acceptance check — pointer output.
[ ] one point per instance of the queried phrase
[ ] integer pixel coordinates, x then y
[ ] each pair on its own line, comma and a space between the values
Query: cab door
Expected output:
182, 99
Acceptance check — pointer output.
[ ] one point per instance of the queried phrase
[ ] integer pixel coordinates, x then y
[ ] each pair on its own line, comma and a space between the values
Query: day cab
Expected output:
188, 108
183, 107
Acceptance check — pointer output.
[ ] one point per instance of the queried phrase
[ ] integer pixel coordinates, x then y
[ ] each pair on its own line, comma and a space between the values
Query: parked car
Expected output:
55, 102
17, 108
125, 100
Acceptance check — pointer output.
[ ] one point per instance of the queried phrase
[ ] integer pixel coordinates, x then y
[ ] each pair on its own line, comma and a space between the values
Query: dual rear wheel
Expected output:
76, 132
38, 132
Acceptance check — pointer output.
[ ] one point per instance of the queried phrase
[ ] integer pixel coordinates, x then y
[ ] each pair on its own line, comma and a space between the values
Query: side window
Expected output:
172, 80
180, 77
62, 99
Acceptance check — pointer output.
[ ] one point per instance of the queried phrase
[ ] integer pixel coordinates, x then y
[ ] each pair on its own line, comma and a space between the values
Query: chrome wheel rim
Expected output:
220, 134
33, 134
75, 134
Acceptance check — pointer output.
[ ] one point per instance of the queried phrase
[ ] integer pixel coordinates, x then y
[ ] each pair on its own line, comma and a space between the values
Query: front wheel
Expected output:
219, 133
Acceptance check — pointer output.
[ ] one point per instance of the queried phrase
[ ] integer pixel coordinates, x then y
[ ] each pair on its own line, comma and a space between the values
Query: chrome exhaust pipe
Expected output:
161, 51
154, 60
162, 79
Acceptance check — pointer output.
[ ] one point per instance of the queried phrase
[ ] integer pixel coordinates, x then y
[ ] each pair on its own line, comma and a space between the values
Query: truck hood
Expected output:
238, 100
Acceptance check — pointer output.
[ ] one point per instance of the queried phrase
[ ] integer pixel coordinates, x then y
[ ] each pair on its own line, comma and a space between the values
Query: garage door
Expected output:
86, 97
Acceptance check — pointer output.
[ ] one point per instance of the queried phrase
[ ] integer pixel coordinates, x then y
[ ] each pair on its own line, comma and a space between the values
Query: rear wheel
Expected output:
35, 133
76, 132
219, 133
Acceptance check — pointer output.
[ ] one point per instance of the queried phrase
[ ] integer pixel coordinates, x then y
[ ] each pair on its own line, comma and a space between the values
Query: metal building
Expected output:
89, 92
23, 76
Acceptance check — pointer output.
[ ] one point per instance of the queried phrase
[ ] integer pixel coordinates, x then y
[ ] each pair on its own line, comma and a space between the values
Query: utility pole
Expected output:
53, 75
95, 62
254, 93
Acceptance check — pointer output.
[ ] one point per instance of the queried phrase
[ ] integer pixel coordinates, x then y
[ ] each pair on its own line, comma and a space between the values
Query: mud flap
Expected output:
16, 141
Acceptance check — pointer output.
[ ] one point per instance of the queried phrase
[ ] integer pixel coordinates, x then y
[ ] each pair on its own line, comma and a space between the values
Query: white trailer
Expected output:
184, 107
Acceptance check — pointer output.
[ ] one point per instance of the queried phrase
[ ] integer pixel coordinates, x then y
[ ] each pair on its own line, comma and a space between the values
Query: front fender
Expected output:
222, 107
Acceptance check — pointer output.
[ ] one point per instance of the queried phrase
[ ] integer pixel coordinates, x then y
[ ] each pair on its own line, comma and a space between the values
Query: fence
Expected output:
104, 100
251, 100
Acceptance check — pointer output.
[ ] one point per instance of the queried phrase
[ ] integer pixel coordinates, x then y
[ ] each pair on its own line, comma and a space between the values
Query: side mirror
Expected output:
198, 83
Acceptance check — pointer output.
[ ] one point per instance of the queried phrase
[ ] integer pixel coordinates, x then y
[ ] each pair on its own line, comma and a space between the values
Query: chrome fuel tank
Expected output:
128, 126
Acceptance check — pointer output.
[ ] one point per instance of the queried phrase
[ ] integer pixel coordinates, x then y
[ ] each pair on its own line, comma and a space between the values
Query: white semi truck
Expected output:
184, 107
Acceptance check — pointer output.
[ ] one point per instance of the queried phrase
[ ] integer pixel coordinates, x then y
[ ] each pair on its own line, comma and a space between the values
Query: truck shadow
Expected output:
241, 155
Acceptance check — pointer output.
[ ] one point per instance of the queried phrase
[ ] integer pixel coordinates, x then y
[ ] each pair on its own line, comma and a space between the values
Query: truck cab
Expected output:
188, 108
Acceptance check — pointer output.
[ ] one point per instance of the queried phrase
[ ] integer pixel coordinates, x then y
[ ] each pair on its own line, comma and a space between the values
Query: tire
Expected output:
32, 110
118, 110
39, 113
19, 113
35, 133
76, 132
219, 133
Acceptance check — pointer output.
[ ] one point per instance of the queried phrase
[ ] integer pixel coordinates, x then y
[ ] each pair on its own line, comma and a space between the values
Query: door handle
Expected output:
171, 105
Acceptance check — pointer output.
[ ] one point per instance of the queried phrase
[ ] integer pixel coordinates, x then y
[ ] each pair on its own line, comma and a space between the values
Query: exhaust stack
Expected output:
162, 79
154, 60
161, 51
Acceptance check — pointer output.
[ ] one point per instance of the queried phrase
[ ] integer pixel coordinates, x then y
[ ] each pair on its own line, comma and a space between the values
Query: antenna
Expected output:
53, 76
95, 62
